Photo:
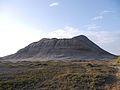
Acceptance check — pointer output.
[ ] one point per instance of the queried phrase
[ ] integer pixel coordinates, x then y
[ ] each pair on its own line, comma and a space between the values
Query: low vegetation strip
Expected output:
57, 75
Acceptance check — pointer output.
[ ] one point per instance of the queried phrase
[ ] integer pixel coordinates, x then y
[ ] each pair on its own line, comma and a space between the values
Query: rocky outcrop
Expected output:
79, 47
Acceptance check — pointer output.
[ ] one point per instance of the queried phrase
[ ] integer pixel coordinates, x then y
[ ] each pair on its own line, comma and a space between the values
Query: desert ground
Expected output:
60, 75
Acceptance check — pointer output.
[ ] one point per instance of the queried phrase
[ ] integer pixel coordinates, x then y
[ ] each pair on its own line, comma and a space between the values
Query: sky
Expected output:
25, 21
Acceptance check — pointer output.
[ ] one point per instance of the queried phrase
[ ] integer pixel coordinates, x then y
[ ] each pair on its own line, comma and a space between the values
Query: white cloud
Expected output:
101, 15
54, 4
109, 40
97, 18
66, 32
92, 27
105, 12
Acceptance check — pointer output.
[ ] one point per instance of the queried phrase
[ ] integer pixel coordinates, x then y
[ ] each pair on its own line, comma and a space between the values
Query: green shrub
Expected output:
118, 60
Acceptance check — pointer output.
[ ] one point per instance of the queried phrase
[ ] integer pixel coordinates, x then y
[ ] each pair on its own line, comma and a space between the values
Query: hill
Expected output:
76, 48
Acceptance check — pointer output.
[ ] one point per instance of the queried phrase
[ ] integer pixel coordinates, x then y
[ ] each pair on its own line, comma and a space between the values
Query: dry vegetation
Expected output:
58, 75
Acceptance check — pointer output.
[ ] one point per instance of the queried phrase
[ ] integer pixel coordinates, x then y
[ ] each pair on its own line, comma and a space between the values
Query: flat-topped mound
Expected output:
79, 47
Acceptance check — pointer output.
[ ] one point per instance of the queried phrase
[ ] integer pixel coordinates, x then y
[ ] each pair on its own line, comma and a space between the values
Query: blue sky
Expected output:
25, 21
